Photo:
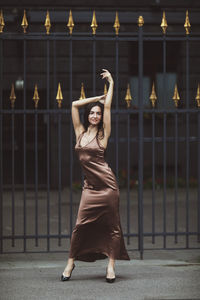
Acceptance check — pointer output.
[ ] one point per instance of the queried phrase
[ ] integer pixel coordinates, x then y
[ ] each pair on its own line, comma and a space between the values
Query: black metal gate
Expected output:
38, 210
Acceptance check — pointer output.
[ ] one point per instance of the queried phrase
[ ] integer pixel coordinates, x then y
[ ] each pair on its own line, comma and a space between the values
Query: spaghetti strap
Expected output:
80, 136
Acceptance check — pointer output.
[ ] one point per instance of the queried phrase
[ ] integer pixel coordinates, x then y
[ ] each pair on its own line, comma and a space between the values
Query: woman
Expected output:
97, 233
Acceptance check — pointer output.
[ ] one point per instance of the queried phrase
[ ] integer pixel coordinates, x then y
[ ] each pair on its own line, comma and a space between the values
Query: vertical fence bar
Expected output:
140, 142
176, 179
128, 179
164, 178
187, 142
153, 177
36, 177
198, 193
54, 73
48, 145
1, 146
24, 146
164, 142
59, 177
94, 64
71, 136
117, 107
13, 175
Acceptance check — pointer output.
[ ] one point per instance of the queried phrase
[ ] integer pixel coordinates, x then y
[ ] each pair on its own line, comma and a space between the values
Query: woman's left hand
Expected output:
106, 74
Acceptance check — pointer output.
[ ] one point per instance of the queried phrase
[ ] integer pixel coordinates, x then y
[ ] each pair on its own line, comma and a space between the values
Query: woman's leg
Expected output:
68, 267
111, 269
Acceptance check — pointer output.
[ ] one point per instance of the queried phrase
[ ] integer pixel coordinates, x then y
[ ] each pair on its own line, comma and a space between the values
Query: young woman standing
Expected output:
97, 233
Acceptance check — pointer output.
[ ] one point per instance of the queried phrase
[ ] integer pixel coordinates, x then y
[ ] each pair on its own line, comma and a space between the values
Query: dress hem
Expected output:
93, 256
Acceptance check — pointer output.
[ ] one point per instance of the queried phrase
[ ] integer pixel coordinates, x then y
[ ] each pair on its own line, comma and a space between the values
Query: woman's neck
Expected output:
92, 130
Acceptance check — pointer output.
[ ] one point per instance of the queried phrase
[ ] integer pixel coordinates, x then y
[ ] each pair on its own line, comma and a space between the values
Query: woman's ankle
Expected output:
111, 264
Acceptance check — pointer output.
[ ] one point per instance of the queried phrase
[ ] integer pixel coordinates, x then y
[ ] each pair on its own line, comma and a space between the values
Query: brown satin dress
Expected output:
97, 233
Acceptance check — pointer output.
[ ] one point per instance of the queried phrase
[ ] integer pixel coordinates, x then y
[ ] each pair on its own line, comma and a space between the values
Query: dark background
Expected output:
82, 72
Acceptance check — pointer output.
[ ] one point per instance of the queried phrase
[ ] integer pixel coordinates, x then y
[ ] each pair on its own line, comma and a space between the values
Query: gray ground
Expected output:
161, 275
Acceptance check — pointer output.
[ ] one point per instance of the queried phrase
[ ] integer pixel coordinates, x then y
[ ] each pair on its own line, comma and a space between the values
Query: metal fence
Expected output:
27, 216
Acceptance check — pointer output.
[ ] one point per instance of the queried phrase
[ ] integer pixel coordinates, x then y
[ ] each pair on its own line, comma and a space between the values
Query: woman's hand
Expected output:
107, 75
102, 98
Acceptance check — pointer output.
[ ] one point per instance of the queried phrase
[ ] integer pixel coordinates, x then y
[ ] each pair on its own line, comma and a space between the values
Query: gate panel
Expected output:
150, 146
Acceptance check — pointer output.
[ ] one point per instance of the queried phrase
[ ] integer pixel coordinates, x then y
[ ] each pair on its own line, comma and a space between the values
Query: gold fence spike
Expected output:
47, 23
24, 22
187, 23
140, 21
59, 96
198, 95
176, 97
153, 96
2, 24
164, 23
128, 97
82, 96
116, 24
94, 23
36, 96
12, 96
105, 89
70, 24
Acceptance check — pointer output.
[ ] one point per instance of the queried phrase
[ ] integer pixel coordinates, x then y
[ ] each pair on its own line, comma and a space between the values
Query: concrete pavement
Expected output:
160, 275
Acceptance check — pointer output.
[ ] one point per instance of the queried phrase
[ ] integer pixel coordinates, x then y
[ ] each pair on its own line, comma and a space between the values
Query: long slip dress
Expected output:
97, 233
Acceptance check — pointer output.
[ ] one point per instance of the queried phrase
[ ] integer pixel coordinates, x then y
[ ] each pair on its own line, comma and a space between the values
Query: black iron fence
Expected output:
39, 215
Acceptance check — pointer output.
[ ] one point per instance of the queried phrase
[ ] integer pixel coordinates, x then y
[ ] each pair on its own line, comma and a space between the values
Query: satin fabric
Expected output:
97, 233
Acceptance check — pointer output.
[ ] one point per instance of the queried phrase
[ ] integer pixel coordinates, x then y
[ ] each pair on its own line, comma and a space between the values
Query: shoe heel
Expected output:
109, 280
66, 278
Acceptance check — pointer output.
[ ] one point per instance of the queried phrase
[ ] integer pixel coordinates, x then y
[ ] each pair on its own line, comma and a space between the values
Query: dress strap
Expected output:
80, 135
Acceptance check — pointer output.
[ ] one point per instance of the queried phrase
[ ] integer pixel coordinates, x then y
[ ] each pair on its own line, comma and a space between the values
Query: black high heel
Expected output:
66, 278
109, 280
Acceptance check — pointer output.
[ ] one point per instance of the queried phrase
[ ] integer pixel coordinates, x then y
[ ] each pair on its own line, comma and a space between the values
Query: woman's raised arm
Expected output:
107, 104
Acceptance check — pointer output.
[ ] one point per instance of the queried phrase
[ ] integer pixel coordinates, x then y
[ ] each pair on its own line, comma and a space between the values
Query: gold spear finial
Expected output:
198, 95
12, 96
70, 24
116, 24
94, 23
176, 97
36, 96
105, 89
140, 21
187, 23
164, 23
153, 96
24, 22
82, 96
47, 23
128, 97
59, 96
2, 24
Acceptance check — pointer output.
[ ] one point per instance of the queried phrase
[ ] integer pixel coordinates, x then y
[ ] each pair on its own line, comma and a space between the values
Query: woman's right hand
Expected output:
102, 98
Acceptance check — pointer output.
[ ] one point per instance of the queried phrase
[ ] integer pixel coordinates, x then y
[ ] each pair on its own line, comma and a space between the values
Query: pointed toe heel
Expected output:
109, 280
66, 278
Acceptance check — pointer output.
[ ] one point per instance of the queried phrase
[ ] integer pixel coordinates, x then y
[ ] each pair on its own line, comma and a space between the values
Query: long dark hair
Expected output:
86, 114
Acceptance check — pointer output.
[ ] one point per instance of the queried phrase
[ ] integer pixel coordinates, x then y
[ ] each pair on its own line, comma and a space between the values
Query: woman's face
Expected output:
94, 116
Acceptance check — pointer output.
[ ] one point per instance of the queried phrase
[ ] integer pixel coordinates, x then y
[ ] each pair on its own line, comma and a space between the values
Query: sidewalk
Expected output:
160, 275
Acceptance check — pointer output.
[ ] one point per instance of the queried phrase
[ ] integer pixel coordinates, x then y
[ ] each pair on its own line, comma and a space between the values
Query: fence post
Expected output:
1, 148
140, 137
